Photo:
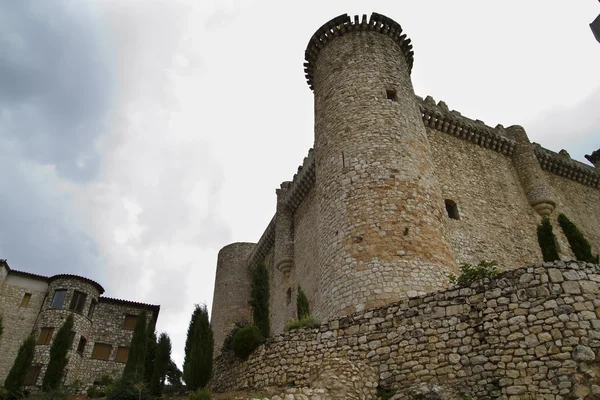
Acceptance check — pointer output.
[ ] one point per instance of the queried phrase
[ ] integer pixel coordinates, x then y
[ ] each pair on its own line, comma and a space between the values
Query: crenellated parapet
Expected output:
343, 24
439, 117
563, 165
302, 182
264, 245
594, 158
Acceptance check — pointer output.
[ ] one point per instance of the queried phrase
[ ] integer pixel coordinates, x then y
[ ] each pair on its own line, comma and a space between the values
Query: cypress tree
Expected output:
150, 352
198, 368
58, 356
547, 240
259, 299
16, 377
189, 340
580, 246
161, 364
302, 307
134, 368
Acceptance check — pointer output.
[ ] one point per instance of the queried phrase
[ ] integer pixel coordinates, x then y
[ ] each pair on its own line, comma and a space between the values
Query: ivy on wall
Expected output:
547, 240
580, 246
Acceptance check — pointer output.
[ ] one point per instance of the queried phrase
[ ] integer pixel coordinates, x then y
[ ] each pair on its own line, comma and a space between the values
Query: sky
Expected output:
140, 137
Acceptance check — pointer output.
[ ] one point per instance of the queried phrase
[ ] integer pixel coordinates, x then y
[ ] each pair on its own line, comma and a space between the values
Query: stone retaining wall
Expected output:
532, 331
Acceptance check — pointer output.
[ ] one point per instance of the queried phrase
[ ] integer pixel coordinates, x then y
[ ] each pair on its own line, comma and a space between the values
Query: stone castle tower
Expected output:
397, 191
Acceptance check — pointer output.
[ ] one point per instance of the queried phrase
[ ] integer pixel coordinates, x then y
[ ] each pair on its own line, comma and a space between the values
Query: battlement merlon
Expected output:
594, 158
343, 24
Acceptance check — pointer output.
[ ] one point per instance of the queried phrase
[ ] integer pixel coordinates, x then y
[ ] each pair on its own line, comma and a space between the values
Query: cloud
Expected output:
56, 85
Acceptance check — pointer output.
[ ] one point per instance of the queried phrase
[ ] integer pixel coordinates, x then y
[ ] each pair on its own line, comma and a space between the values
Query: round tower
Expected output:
381, 234
231, 298
67, 294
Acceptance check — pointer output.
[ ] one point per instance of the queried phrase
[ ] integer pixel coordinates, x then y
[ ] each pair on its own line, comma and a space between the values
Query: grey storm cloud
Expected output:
55, 84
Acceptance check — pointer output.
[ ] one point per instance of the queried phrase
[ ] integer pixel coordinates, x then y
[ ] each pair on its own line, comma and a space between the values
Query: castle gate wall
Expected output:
581, 204
18, 321
532, 331
496, 221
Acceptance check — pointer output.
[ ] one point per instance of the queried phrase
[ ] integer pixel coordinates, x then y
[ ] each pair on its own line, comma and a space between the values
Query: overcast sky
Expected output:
140, 137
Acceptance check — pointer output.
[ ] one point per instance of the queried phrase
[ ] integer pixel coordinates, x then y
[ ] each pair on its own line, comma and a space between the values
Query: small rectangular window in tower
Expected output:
78, 301
391, 95
122, 354
45, 336
26, 298
101, 351
59, 298
32, 375
452, 209
81, 345
129, 322
288, 296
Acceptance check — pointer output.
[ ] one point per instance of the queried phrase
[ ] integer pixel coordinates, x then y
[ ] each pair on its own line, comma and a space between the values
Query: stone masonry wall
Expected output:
18, 321
532, 332
496, 221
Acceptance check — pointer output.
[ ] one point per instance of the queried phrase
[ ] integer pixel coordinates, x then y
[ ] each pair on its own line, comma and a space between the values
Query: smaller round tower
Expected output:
231, 298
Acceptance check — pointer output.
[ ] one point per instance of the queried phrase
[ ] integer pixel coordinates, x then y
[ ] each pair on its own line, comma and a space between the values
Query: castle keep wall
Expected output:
532, 331
496, 221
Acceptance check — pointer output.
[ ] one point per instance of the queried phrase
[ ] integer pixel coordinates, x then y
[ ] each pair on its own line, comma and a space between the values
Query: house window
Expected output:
45, 336
81, 345
122, 354
129, 322
32, 375
25, 300
452, 209
288, 296
78, 301
391, 95
92, 308
59, 298
101, 351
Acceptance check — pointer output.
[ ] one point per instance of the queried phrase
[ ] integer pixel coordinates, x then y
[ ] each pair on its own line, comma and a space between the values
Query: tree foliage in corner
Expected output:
58, 356
547, 240
302, 306
16, 377
197, 366
470, 273
259, 299
134, 368
161, 364
580, 246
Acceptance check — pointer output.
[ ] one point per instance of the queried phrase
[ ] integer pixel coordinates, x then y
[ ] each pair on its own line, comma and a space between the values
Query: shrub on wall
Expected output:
306, 322
302, 306
246, 341
231, 335
580, 246
470, 273
259, 299
58, 356
547, 240
16, 377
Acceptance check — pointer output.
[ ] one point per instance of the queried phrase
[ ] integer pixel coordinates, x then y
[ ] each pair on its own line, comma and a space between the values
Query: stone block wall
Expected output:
532, 332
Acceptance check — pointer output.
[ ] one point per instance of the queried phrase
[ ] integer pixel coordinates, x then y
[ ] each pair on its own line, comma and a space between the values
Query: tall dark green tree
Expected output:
16, 377
580, 246
547, 240
189, 340
134, 368
58, 355
150, 351
259, 299
302, 307
198, 366
161, 364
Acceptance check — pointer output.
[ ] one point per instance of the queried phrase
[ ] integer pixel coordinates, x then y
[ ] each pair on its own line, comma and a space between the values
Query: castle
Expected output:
398, 190
38, 305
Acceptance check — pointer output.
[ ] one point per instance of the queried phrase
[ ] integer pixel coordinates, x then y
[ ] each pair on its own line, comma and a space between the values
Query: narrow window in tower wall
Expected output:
452, 209
288, 296
391, 95
25, 300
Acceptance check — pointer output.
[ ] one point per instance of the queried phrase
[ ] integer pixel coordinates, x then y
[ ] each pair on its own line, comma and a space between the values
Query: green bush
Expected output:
259, 299
306, 322
228, 342
57, 393
94, 392
246, 341
4, 395
547, 240
580, 246
128, 389
302, 306
106, 380
16, 377
200, 394
470, 273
